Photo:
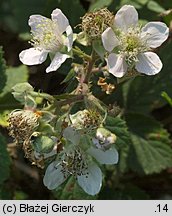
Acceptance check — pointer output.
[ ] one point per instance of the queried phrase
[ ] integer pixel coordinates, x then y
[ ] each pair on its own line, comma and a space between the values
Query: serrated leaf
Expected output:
147, 127
2, 71
119, 128
4, 160
150, 151
151, 156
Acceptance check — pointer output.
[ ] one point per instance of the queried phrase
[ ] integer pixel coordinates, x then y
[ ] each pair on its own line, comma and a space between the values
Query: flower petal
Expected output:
109, 39
155, 33
72, 135
35, 20
61, 20
126, 17
116, 65
149, 63
53, 176
33, 56
69, 39
109, 156
92, 182
57, 62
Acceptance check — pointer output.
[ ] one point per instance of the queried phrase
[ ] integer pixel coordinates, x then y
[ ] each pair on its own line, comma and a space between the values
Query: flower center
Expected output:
22, 124
132, 44
46, 36
74, 163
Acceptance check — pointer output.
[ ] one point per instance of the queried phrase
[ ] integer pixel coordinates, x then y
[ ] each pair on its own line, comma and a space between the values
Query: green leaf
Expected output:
97, 4
119, 128
4, 118
2, 71
167, 98
20, 13
23, 87
98, 47
4, 160
15, 75
43, 144
135, 3
147, 127
150, 151
143, 2
154, 6
69, 76
144, 92
150, 156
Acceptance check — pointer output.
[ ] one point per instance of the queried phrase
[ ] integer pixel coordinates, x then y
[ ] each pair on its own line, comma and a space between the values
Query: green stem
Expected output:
90, 65
46, 96
81, 54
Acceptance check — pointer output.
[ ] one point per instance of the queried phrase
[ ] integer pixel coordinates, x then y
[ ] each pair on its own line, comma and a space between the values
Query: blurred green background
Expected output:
143, 172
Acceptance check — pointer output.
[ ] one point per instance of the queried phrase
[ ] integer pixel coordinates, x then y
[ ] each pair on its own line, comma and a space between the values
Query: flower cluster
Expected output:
68, 134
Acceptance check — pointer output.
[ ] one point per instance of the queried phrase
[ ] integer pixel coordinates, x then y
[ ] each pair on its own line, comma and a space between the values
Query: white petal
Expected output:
116, 65
35, 20
109, 39
53, 176
72, 135
92, 182
155, 33
33, 56
61, 20
126, 17
109, 156
69, 39
57, 62
149, 63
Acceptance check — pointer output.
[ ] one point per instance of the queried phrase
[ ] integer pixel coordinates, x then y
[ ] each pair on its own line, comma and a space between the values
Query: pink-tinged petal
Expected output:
116, 65
33, 56
69, 39
109, 39
35, 21
57, 62
61, 20
155, 33
149, 63
126, 17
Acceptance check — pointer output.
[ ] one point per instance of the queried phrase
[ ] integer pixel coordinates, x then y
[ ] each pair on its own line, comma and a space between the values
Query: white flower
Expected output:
54, 36
133, 44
